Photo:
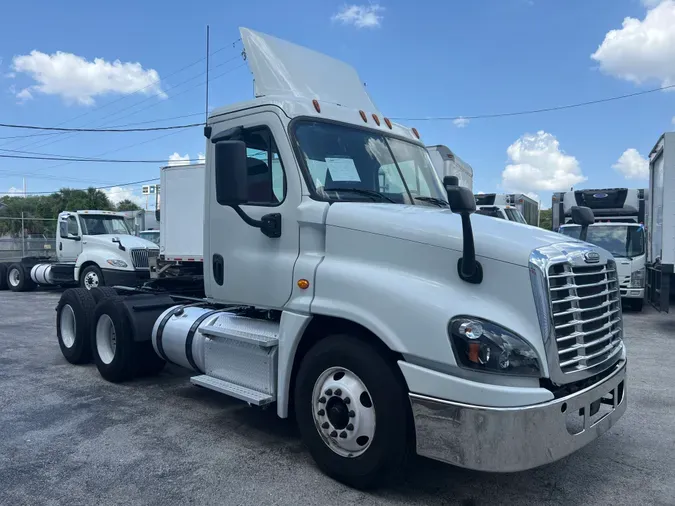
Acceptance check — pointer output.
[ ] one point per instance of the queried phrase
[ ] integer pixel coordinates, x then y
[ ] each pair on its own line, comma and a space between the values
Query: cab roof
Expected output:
304, 82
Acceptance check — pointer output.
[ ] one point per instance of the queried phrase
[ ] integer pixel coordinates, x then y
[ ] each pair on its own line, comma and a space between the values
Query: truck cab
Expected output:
516, 207
508, 213
348, 285
626, 242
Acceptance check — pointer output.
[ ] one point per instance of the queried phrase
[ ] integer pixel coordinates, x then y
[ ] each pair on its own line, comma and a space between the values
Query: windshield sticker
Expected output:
342, 169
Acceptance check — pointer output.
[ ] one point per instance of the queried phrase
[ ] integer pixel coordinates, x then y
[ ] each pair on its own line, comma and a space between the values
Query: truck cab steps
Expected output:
232, 389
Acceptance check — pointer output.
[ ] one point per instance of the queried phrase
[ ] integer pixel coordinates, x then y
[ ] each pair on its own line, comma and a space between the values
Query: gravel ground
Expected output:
69, 437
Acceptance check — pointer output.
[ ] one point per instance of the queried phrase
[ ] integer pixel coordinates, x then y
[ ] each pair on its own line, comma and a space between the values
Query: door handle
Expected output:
60, 246
218, 269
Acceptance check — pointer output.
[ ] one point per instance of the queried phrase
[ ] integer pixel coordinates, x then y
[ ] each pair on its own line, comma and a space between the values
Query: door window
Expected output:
69, 227
266, 176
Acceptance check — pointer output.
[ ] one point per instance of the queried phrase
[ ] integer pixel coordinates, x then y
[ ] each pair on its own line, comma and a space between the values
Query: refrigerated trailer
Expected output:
661, 223
448, 163
618, 205
526, 206
383, 318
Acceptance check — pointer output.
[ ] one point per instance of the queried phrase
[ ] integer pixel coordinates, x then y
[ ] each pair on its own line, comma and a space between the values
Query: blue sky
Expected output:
424, 59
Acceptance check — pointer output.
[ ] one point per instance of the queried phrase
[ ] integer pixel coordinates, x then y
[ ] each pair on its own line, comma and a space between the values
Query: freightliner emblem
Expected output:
591, 257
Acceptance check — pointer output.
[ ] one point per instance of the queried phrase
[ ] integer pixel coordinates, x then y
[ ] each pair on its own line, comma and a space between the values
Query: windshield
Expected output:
99, 225
620, 241
150, 236
347, 163
515, 215
493, 212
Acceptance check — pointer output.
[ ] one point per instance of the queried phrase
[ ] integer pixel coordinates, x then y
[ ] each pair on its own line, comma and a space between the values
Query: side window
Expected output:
266, 177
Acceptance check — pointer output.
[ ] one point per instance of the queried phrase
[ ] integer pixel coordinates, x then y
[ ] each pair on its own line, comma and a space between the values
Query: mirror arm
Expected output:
468, 268
270, 224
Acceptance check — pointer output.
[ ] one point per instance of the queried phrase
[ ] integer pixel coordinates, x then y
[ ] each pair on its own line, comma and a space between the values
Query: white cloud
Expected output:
178, 159
117, 194
23, 95
632, 165
361, 16
537, 163
78, 80
644, 50
461, 122
12, 192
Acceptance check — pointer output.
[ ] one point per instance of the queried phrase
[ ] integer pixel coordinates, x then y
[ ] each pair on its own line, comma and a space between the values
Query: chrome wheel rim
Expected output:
343, 411
91, 280
14, 277
67, 326
106, 339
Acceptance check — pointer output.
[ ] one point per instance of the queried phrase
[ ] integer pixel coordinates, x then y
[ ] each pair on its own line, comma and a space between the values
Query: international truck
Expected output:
497, 205
619, 228
367, 301
661, 223
448, 163
93, 248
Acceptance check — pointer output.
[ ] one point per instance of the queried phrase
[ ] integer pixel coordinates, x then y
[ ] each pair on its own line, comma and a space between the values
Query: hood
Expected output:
282, 68
128, 241
494, 238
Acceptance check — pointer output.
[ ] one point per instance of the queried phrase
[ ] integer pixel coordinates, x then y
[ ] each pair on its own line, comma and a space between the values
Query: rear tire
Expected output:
637, 304
18, 279
91, 277
341, 366
149, 363
3, 277
74, 314
112, 341
102, 292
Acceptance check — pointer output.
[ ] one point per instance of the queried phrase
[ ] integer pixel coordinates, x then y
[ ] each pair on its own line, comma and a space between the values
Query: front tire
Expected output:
74, 314
18, 279
3, 277
352, 410
91, 277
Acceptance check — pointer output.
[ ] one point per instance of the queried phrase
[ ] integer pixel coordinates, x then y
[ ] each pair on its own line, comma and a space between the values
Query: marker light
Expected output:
377, 120
303, 284
386, 120
316, 105
417, 134
363, 116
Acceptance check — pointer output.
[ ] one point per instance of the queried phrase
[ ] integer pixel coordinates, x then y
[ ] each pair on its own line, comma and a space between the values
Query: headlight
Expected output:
483, 346
637, 279
117, 263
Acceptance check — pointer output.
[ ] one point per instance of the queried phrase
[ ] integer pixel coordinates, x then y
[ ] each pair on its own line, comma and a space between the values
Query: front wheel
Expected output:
352, 411
91, 277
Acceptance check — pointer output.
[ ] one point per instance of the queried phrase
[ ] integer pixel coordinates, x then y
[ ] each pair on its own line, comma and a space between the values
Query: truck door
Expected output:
241, 264
68, 238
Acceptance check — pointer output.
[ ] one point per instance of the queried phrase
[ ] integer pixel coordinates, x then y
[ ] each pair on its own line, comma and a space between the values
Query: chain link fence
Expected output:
26, 236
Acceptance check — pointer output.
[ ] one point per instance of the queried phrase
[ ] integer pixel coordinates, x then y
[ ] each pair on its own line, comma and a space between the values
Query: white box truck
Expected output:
448, 163
519, 204
661, 223
383, 318
93, 248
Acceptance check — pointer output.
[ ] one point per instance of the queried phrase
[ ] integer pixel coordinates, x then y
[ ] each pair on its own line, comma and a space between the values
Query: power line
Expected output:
61, 129
121, 185
536, 111
91, 160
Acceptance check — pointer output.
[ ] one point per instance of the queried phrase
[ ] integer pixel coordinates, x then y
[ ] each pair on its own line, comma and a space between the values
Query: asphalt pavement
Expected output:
69, 437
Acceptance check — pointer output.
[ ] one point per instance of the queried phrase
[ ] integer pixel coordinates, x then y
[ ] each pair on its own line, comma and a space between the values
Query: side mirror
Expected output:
75, 238
450, 181
582, 216
231, 173
462, 202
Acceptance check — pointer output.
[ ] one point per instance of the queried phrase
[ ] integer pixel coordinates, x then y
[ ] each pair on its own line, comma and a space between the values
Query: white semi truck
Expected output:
93, 248
661, 223
448, 163
509, 206
619, 228
366, 300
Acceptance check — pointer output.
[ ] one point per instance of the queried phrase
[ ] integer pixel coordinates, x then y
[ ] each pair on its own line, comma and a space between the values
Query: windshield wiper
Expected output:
363, 191
433, 200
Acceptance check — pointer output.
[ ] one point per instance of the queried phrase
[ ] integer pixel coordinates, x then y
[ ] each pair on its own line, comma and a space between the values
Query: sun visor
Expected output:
282, 68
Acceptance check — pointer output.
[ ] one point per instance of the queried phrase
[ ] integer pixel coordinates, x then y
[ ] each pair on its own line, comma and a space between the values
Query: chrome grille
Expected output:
586, 311
140, 257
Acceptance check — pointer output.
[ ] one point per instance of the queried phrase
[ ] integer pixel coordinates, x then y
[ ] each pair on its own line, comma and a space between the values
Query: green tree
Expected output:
545, 219
127, 205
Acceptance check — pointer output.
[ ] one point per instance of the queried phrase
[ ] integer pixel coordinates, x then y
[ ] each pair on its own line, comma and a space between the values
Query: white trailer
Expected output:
527, 207
379, 312
619, 205
661, 223
448, 163
93, 248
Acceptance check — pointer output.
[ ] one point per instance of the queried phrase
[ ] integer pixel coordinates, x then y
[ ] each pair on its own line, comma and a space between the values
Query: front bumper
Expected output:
118, 277
514, 439
632, 293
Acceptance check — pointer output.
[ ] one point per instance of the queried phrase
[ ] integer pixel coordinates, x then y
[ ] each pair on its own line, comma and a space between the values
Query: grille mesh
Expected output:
140, 257
586, 306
